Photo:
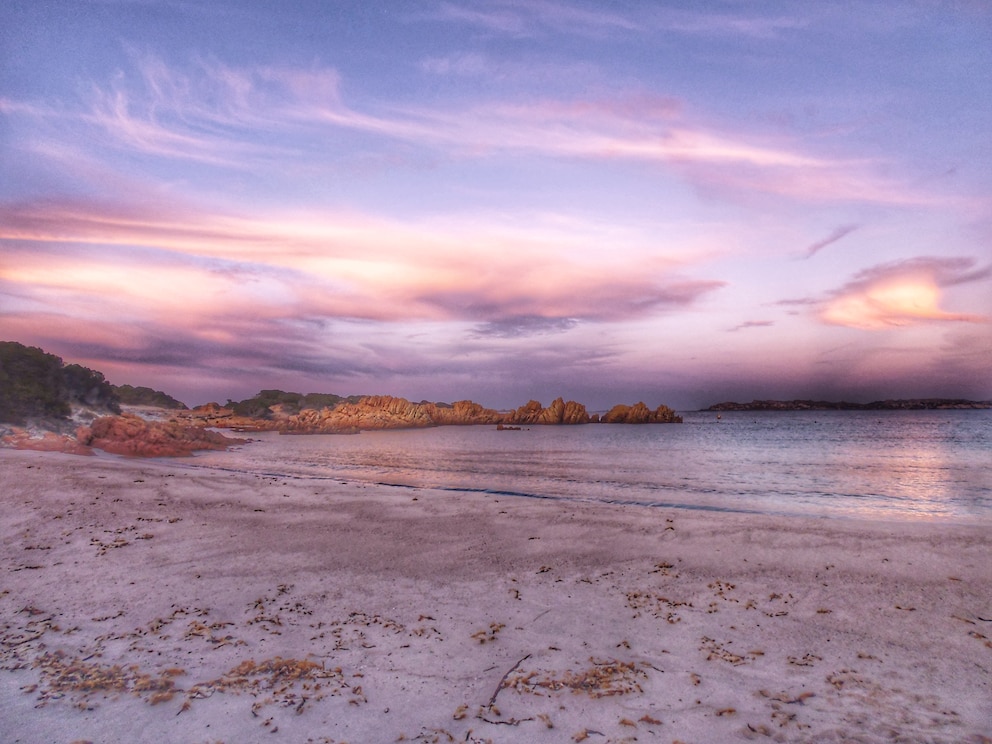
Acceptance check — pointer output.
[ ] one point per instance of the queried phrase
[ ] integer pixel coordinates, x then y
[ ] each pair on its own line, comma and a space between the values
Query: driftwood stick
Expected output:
492, 700
511, 722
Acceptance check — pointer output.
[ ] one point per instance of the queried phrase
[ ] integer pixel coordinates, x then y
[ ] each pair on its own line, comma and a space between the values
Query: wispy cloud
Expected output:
256, 118
703, 22
511, 72
820, 181
467, 64
212, 113
751, 324
538, 17
841, 232
502, 20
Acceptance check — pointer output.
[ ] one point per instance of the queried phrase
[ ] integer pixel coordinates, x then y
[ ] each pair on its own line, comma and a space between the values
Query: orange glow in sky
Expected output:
890, 303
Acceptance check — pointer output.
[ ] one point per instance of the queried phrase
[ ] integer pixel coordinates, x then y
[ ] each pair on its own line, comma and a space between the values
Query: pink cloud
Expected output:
901, 294
344, 266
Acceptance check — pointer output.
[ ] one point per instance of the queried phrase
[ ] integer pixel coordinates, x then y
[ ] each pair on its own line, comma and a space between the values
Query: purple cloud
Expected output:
840, 232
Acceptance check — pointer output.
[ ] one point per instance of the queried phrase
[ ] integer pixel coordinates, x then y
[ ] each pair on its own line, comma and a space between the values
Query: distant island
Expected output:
912, 404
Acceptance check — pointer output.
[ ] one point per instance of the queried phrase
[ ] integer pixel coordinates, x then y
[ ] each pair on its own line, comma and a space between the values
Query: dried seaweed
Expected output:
601, 679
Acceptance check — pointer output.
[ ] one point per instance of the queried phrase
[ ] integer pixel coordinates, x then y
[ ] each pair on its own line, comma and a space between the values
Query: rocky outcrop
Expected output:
217, 416
43, 441
376, 412
134, 436
559, 412
387, 412
462, 413
640, 414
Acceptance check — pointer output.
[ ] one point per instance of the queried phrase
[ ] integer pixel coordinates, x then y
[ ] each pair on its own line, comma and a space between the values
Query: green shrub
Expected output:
146, 396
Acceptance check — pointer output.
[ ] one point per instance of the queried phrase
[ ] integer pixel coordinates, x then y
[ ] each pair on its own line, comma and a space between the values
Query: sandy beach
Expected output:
147, 601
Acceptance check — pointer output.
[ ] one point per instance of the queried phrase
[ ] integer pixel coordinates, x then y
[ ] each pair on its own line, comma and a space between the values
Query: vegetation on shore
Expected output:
261, 406
35, 384
146, 396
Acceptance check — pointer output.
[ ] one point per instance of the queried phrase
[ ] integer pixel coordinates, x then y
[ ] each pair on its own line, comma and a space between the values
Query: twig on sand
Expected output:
511, 722
492, 700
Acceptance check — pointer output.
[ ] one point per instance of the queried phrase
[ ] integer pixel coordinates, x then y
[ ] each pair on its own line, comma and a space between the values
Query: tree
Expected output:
34, 383
30, 383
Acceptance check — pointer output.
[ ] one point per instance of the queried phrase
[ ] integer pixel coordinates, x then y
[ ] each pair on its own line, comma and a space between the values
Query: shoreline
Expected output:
372, 613
699, 501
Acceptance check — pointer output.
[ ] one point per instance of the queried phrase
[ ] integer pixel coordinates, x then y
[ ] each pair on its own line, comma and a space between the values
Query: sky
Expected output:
673, 202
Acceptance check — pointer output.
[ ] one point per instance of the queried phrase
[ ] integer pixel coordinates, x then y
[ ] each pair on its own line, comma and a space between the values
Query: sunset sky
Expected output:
679, 203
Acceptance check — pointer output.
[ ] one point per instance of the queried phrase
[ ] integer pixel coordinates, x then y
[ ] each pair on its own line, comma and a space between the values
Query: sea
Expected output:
876, 465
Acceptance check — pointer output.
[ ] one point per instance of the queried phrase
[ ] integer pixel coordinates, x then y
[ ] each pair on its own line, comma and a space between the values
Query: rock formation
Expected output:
43, 441
214, 415
131, 435
559, 412
387, 412
640, 414
376, 412
463, 413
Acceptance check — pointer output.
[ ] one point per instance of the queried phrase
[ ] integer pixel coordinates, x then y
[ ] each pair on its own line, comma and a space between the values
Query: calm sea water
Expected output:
875, 465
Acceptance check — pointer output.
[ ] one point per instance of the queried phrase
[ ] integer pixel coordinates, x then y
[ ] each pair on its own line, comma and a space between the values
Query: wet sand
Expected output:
146, 601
